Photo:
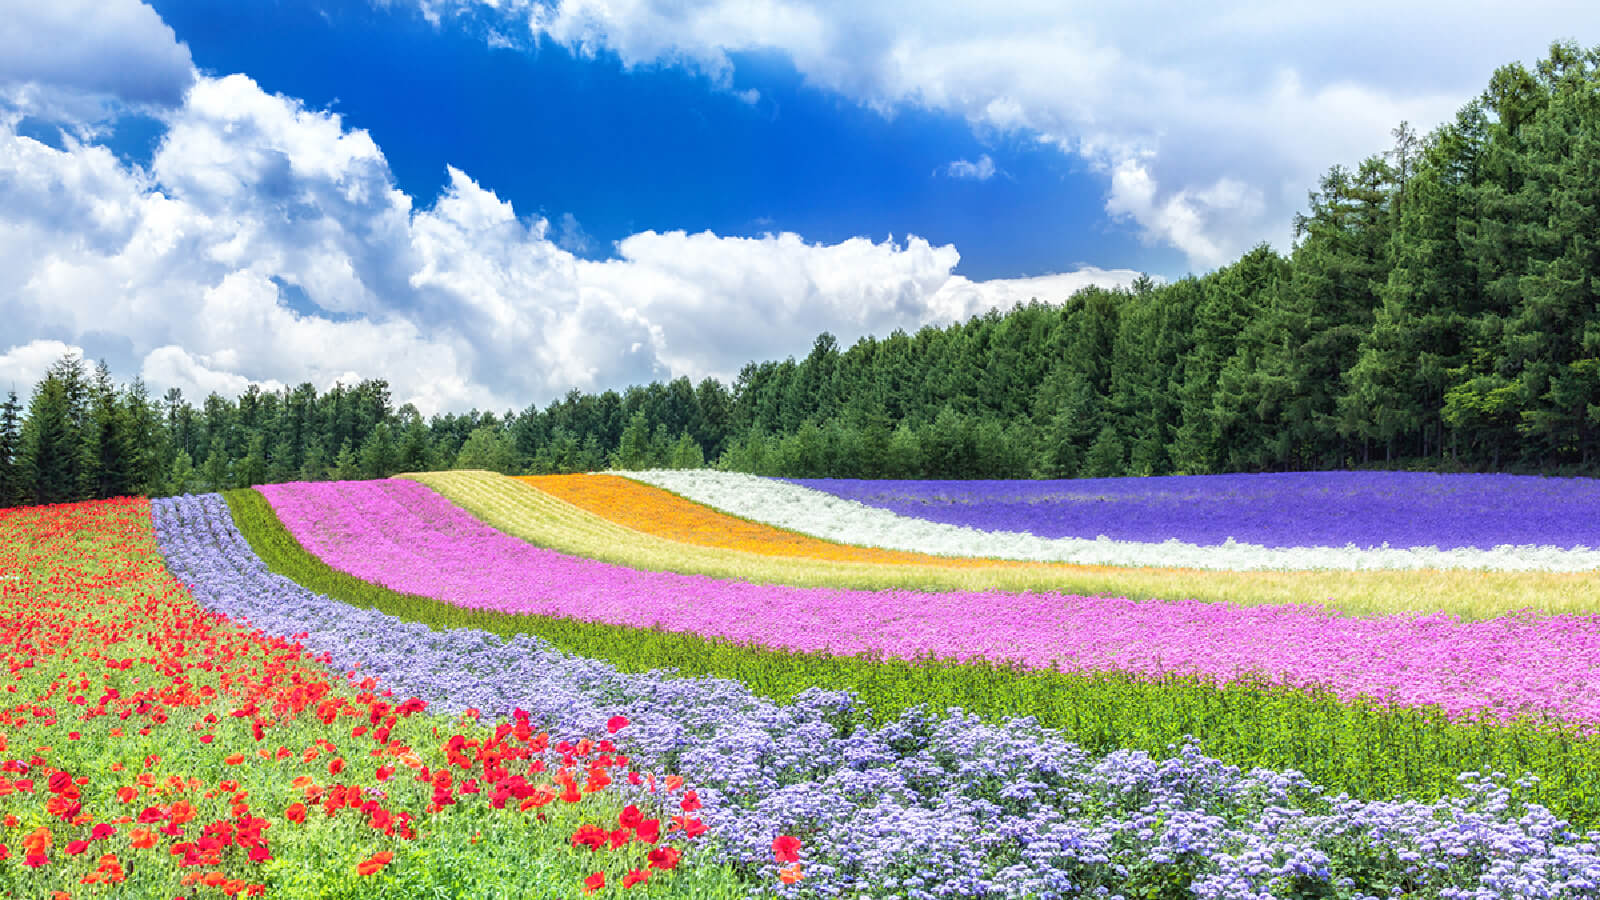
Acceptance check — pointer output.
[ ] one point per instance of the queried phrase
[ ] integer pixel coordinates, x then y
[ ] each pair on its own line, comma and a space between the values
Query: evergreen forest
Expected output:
1439, 310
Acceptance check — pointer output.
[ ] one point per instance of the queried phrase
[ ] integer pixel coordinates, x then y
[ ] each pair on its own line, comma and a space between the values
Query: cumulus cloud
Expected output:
24, 365
982, 170
1208, 130
65, 58
459, 303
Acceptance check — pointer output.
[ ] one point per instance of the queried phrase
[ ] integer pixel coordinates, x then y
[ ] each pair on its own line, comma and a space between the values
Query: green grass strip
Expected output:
1355, 747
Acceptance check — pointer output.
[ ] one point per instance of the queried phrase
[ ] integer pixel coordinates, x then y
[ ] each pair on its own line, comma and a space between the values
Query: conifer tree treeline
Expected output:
1440, 309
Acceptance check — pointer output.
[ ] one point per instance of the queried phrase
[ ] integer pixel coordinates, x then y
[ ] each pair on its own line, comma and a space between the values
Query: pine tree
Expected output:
51, 448
413, 454
216, 466
281, 468
1106, 457
252, 470
11, 487
686, 454
181, 477
147, 440
109, 469
633, 451
346, 465
487, 448
315, 465
378, 453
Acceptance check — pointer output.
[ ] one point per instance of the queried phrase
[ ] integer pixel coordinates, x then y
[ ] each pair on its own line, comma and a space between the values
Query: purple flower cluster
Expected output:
1289, 509
920, 807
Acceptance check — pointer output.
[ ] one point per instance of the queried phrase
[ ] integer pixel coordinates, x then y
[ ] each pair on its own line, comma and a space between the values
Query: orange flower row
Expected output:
648, 509
651, 510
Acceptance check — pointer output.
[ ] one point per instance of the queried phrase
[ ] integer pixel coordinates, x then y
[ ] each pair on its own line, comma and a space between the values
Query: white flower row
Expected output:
813, 512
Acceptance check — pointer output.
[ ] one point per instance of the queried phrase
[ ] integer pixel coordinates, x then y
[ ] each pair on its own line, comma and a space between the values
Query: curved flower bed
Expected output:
1276, 509
402, 535
799, 508
920, 808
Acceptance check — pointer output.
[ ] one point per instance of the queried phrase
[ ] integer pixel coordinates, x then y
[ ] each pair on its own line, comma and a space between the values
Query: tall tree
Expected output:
110, 464
11, 486
52, 444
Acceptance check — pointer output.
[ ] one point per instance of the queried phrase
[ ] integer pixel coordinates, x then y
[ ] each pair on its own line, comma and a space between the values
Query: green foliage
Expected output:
487, 448
686, 454
11, 483
182, 477
216, 468
52, 447
1361, 747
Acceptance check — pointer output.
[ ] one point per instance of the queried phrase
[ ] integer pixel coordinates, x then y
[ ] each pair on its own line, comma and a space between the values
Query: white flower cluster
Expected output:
822, 515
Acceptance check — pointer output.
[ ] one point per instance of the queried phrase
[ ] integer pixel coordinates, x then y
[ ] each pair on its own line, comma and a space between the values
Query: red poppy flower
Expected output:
630, 817
616, 723
594, 882
649, 831
592, 836
786, 848
690, 802
374, 863
663, 858
637, 876
296, 813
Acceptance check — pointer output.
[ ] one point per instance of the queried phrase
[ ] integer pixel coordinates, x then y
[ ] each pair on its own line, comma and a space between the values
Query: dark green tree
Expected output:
11, 485
52, 447
379, 456
252, 470
489, 448
346, 464
216, 470
181, 477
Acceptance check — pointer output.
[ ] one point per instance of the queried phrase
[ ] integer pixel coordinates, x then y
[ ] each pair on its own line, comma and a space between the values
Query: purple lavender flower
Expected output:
1289, 509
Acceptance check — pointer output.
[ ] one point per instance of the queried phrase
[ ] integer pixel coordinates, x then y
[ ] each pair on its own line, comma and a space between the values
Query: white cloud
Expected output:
65, 58
982, 170
22, 366
1197, 125
459, 303
570, 235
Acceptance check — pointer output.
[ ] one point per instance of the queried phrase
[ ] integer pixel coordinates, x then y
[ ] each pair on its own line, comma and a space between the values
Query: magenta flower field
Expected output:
403, 535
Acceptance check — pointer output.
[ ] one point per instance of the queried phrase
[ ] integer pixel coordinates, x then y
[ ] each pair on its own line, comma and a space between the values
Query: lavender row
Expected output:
919, 807
1280, 510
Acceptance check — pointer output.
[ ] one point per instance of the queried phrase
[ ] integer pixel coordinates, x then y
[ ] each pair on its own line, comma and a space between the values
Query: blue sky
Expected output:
661, 148
490, 202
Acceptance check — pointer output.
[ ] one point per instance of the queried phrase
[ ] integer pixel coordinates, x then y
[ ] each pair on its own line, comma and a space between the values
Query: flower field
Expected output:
631, 523
459, 684
155, 748
402, 535
1351, 535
